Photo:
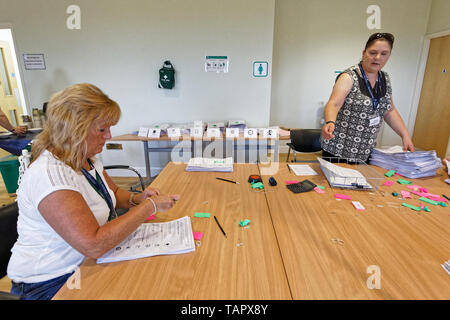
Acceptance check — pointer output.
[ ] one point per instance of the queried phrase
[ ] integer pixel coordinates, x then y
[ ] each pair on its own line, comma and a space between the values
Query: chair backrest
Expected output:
306, 140
8, 234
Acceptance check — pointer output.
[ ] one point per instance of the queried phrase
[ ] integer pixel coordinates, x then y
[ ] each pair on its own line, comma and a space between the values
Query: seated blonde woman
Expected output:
67, 202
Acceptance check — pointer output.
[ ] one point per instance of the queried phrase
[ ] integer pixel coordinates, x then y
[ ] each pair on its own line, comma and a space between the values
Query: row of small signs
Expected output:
197, 132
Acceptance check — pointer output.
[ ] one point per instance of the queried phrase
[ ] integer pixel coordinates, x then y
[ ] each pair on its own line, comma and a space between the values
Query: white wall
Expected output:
439, 16
122, 45
312, 39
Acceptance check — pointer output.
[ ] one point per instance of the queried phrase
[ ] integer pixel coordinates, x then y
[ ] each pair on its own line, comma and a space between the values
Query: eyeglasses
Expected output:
387, 36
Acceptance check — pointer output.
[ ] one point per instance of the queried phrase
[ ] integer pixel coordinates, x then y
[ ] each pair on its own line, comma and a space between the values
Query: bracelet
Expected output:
130, 201
154, 205
330, 122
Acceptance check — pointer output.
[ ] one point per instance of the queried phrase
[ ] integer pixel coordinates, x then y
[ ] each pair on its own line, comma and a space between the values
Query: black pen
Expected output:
446, 197
217, 221
288, 167
227, 180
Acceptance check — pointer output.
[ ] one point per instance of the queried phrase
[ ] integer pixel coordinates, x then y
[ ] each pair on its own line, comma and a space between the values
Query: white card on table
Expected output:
173, 132
232, 132
197, 132
270, 133
213, 133
143, 132
154, 133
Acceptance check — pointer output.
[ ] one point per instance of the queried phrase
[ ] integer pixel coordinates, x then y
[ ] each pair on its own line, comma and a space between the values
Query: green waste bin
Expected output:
9, 168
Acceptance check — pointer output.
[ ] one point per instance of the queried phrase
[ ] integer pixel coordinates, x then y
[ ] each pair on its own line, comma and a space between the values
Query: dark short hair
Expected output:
389, 37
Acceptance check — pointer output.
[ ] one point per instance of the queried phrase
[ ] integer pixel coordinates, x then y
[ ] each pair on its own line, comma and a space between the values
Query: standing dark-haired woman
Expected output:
360, 101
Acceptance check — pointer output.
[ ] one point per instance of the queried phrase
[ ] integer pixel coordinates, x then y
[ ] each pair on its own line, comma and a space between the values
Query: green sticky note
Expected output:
244, 223
320, 187
429, 201
426, 209
411, 207
390, 173
202, 215
442, 203
402, 181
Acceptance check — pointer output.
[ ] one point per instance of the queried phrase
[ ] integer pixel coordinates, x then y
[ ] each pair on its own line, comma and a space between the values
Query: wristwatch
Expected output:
330, 122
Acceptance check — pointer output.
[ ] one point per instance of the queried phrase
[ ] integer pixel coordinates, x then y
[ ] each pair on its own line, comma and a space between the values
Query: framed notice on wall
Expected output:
34, 61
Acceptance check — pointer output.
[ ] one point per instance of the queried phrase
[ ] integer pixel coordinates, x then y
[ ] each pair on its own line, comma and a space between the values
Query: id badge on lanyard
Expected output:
374, 120
375, 101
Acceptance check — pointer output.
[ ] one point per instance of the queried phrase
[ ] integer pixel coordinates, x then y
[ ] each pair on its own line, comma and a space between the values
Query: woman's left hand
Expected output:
147, 193
408, 144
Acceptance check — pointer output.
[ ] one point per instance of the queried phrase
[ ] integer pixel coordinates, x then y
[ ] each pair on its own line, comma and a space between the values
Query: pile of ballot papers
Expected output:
409, 164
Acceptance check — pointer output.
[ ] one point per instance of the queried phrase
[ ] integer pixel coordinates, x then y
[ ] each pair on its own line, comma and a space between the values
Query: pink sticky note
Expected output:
291, 181
341, 196
423, 190
388, 183
420, 194
398, 174
318, 190
405, 194
197, 235
422, 206
151, 217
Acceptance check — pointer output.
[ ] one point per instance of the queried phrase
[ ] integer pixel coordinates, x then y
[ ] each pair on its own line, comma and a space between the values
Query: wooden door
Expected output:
432, 127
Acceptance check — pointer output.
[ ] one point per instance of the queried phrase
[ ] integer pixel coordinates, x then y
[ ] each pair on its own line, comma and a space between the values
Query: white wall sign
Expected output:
74, 20
174, 132
232, 132
213, 133
143, 132
154, 133
260, 68
217, 64
250, 133
34, 61
374, 20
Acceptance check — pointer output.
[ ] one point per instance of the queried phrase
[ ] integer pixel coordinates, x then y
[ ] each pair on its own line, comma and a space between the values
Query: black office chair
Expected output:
304, 140
8, 236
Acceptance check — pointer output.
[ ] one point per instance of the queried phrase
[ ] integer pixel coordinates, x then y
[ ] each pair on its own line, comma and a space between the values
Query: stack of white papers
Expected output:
409, 164
210, 164
152, 239
340, 177
302, 170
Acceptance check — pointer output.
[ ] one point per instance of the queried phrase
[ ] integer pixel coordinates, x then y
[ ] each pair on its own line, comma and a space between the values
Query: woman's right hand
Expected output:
164, 202
327, 131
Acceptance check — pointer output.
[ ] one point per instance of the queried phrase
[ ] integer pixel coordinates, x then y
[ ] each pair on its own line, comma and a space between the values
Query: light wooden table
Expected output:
287, 252
219, 268
195, 146
406, 246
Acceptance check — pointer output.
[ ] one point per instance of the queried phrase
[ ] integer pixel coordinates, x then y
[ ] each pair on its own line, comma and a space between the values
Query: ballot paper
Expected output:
412, 165
210, 164
302, 170
340, 177
153, 239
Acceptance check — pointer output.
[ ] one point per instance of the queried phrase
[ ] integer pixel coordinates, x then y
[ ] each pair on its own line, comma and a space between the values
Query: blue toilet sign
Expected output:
260, 68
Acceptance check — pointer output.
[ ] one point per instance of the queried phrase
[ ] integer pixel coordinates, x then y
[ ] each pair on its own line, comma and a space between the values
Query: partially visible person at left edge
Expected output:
67, 202
4, 122
360, 100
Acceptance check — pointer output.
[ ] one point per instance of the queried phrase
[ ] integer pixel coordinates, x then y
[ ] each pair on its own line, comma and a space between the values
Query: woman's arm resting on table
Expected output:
68, 214
340, 91
394, 120
123, 197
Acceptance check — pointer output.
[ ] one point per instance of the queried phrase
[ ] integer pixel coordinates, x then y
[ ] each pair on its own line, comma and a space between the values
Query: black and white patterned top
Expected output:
356, 126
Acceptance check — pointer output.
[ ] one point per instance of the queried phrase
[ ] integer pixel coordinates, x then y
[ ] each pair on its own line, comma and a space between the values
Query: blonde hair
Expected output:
70, 115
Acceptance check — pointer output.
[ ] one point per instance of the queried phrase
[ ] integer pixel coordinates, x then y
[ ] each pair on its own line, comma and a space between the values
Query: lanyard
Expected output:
375, 102
101, 189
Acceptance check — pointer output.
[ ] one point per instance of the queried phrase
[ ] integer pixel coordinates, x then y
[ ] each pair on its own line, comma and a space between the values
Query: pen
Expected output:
217, 221
446, 197
288, 167
228, 180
